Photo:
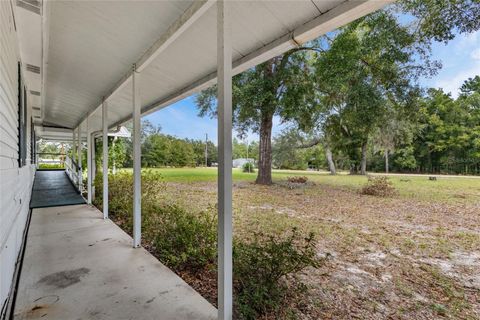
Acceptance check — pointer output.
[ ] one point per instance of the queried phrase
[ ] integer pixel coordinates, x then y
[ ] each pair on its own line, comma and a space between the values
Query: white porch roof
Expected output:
66, 134
85, 49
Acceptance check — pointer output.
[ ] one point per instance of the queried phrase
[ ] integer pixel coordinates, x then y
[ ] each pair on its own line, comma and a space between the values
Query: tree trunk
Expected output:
363, 164
353, 169
331, 164
386, 161
264, 175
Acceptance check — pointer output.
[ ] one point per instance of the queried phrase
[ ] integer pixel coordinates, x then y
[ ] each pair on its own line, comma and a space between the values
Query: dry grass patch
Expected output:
387, 256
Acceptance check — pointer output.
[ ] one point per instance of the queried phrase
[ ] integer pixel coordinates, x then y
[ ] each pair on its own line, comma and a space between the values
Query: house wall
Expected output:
15, 182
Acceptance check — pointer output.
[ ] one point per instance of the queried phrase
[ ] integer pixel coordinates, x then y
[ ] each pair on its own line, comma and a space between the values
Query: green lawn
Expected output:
210, 174
420, 188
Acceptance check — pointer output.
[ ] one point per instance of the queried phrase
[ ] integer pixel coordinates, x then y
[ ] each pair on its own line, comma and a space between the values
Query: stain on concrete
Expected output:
38, 311
151, 300
94, 314
49, 299
41, 307
64, 279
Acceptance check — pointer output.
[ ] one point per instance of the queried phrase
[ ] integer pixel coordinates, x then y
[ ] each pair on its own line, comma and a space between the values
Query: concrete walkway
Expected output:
78, 266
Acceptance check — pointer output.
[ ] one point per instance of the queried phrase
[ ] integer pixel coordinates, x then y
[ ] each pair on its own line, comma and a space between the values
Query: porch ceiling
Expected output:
90, 46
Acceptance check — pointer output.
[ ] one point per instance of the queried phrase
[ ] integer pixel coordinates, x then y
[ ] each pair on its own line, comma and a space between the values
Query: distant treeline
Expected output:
164, 150
160, 150
442, 137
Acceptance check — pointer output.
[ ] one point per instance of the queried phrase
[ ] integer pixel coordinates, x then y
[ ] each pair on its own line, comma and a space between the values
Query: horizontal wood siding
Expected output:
15, 182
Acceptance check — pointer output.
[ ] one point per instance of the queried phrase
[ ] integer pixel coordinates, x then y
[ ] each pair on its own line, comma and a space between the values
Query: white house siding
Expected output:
15, 182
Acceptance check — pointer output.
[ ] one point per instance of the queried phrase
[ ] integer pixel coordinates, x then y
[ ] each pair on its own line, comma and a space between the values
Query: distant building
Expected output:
238, 163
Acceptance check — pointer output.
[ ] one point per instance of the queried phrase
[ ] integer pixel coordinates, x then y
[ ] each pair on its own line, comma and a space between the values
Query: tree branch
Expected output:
310, 144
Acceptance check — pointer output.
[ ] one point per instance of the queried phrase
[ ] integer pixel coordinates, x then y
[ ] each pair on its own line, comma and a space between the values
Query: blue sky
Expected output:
460, 59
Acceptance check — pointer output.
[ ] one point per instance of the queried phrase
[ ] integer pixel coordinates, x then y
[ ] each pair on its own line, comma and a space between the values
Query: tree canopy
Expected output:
280, 87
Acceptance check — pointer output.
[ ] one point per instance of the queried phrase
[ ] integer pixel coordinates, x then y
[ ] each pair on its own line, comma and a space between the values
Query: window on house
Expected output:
33, 145
22, 119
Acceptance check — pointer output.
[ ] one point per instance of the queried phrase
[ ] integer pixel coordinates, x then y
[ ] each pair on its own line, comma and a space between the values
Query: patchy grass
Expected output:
414, 255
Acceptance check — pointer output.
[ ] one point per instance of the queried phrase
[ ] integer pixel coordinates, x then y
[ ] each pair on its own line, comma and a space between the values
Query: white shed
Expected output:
240, 162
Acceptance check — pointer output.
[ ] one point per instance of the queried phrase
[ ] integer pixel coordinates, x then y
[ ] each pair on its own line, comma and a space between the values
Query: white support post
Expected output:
137, 173
224, 103
93, 164
89, 163
74, 141
105, 158
36, 154
79, 157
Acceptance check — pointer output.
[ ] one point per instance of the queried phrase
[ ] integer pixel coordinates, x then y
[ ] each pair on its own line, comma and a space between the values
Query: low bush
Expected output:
379, 186
297, 179
184, 240
50, 166
179, 238
120, 195
248, 167
296, 182
265, 272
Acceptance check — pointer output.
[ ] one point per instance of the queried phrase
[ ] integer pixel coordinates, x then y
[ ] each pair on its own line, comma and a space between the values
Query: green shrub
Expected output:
50, 166
179, 238
262, 268
248, 167
120, 196
379, 186
184, 240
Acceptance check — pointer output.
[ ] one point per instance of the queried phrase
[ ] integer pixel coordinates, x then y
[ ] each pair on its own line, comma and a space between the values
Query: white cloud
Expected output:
475, 54
452, 84
461, 60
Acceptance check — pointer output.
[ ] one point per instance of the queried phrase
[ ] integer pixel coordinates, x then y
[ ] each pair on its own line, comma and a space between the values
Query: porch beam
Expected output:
79, 157
137, 173
224, 105
105, 157
176, 29
89, 163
